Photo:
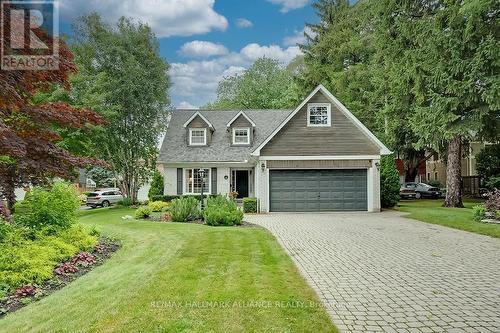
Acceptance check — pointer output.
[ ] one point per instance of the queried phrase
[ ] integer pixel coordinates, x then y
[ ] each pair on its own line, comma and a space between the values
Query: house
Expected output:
318, 157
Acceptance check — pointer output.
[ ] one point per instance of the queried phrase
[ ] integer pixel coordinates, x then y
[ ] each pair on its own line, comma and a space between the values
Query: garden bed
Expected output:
159, 218
28, 294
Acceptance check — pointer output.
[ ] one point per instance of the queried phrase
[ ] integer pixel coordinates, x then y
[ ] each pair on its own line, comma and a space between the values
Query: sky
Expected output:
205, 40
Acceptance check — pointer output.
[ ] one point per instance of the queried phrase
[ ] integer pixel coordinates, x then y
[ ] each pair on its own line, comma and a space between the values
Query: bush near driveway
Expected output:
250, 205
389, 182
222, 211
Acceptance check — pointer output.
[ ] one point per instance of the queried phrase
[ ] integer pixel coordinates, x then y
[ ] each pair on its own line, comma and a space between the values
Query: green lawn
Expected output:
165, 276
431, 211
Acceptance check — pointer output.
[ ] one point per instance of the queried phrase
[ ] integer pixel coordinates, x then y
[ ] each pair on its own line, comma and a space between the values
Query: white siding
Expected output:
374, 187
223, 185
170, 181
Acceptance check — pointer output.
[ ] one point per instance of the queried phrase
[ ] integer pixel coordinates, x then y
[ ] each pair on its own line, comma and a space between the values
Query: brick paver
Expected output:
380, 272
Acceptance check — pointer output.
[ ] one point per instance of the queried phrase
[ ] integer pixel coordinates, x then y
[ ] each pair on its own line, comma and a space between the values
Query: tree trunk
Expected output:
7, 186
454, 175
410, 174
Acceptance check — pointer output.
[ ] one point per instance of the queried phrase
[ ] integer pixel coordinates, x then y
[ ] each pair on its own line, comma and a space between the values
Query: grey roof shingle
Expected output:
175, 148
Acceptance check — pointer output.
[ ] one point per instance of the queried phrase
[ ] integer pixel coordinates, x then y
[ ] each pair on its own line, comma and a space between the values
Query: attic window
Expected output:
241, 136
197, 136
319, 114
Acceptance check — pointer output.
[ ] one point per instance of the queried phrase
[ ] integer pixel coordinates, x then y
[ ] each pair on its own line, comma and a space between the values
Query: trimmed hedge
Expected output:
170, 198
250, 205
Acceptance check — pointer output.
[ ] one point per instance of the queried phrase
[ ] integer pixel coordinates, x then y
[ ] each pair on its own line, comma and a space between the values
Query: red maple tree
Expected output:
29, 153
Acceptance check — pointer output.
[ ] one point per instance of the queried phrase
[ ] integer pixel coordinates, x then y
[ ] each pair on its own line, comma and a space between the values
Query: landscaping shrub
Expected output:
143, 212
478, 213
28, 257
159, 206
434, 183
125, 202
51, 209
493, 183
222, 211
156, 188
250, 205
164, 198
185, 209
389, 182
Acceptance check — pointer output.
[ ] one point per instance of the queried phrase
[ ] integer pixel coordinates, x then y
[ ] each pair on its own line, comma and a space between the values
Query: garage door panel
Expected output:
318, 190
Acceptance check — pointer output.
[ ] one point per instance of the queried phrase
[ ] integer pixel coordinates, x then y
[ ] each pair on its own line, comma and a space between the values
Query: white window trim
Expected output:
329, 112
248, 136
197, 144
184, 184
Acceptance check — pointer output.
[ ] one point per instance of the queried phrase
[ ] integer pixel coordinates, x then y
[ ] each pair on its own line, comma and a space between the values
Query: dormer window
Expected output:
198, 136
241, 136
319, 114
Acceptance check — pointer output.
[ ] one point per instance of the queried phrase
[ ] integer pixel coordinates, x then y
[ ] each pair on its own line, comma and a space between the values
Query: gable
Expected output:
241, 121
342, 138
198, 122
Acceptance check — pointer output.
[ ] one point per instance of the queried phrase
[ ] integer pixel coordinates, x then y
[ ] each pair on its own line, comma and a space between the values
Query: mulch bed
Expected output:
28, 294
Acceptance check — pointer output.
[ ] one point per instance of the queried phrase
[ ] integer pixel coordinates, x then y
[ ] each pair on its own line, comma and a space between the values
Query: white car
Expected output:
104, 198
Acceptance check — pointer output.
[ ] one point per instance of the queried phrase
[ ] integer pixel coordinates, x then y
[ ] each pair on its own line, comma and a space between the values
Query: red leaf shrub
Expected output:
83, 259
66, 269
166, 218
26, 291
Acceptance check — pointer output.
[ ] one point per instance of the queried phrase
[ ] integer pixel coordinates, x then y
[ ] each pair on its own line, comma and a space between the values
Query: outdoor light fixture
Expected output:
226, 177
263, 166
377, 164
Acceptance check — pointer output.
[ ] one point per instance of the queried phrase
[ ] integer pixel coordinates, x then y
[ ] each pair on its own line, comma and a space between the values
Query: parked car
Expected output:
103, 198
421, 190
407, 191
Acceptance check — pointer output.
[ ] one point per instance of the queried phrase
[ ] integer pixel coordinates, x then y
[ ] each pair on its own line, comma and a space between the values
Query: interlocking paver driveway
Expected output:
382, 272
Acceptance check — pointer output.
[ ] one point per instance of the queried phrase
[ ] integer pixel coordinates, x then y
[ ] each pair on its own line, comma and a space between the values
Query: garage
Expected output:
318, 190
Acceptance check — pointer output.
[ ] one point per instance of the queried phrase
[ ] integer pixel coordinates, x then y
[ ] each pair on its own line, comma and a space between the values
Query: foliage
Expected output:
493, 183
26, 291
250, 205
265, 85
492, 205
422, 75
30, 258
478, 213
143, 212
30, 130
51, 209
164, 198
83, 259
222, 211
488, 165
185, 209
125, 202
66, 269
158, 206
102, 177
123, 77
434, 183
389, 182
156, 188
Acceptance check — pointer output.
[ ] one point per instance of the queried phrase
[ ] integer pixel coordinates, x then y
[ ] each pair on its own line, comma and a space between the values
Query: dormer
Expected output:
241, 129
199, 130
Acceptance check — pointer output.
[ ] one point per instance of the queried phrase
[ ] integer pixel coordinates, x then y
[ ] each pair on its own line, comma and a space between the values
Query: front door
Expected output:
242, 183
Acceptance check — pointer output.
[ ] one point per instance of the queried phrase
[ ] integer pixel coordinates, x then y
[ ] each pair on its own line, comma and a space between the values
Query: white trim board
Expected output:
383, 149
236, 117
197, 113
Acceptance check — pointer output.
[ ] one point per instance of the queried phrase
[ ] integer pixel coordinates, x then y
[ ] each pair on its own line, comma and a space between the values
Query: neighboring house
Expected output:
436, 168
318, 157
